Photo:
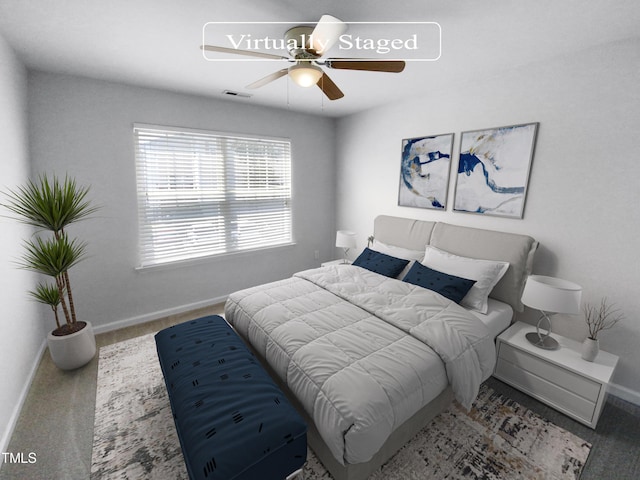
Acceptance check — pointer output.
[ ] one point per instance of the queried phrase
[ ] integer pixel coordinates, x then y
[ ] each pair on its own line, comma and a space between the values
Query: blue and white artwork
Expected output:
493, 170
424, 171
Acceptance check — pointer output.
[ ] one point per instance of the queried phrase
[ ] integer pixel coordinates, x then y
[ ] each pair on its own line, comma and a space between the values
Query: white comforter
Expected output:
362, 352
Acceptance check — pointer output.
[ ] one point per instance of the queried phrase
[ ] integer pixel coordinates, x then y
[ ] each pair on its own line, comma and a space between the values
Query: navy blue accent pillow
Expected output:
380, 263
450, 286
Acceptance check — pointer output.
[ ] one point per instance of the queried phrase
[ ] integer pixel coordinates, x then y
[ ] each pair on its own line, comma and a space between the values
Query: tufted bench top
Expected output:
233, 421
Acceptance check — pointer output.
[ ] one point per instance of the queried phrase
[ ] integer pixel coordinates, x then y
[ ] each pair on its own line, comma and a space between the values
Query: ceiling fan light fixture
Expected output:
305, 75
307, 46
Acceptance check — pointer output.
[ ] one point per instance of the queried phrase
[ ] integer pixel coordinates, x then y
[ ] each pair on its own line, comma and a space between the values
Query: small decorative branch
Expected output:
370, 241
600, 318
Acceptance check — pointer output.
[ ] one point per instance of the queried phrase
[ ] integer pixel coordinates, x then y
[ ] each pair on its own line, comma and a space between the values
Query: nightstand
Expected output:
560, 378
336, 262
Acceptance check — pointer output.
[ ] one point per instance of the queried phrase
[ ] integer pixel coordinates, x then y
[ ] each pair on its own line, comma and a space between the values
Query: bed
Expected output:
370, 359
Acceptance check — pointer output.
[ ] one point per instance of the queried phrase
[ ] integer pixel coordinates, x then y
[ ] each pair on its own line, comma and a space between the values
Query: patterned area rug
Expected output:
135, 437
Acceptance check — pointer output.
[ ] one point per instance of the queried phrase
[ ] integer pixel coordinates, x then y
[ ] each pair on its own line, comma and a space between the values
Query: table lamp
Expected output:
345, 240
550, 295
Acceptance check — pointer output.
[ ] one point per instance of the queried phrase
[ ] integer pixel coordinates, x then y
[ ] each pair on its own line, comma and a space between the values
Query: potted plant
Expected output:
52, 205
599, 318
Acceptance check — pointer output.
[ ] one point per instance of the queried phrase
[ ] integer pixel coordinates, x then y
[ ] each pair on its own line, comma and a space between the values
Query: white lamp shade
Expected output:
345, 239
551, 294
327, 33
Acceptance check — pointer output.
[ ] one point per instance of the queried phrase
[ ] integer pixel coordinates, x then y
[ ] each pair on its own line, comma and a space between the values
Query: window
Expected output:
207, 193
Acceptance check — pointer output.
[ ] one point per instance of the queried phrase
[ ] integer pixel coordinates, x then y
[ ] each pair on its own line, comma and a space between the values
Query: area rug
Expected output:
135, 437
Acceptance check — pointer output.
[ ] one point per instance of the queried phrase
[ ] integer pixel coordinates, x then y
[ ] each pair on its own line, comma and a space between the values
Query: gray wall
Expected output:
583, 200
84, 127
22, 330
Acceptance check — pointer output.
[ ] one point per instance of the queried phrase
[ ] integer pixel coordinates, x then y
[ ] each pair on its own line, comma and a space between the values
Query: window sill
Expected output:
191, 262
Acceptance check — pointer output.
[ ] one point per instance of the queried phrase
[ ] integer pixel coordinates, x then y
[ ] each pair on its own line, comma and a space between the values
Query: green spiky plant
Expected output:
48, 294
51, 205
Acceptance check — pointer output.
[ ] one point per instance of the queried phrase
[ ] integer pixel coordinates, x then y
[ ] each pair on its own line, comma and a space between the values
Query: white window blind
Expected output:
206, 193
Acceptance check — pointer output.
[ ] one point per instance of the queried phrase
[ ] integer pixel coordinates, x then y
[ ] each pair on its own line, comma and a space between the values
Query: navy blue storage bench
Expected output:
233, 421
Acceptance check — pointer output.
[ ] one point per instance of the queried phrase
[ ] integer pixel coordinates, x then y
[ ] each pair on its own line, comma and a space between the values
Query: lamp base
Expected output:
546, 342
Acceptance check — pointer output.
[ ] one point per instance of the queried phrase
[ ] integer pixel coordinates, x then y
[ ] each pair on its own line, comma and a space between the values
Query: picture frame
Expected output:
493, 170
425, 168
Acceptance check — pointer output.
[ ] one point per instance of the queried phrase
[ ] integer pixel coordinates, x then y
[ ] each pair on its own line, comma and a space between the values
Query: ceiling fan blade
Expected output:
248, 53
329, 88
326, 33
268, 79
393, 66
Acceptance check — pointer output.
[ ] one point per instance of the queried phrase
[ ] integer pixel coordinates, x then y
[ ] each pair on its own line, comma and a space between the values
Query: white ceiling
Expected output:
155, 43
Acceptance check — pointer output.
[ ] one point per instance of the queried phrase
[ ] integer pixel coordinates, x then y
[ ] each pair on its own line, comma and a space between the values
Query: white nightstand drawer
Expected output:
555, 374
560, 378
540, 388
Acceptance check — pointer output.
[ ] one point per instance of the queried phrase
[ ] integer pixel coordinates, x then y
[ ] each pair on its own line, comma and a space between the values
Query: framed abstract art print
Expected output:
424, 171
493, 170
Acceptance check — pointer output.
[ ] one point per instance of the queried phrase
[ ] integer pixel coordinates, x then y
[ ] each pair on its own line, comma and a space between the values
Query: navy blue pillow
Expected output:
380, 263
450, 286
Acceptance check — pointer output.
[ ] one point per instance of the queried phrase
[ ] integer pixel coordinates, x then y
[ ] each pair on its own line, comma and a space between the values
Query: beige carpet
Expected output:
134, 434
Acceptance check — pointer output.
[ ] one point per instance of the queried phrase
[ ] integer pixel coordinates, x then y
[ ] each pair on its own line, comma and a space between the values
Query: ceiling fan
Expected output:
306, 46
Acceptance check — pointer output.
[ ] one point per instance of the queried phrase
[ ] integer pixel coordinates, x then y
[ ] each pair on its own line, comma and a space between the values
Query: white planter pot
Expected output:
69, 352
590, 349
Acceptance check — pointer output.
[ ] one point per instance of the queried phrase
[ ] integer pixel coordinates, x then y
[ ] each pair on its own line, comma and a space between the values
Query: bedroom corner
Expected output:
22, 330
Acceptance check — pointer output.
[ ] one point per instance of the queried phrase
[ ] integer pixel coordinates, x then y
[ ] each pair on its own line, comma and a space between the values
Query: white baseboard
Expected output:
625, 393
148, 317
15, 414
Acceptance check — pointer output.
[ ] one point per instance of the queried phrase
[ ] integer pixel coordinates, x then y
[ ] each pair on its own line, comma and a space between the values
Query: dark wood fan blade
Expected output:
393, 66
329, 88
269, 78
248, 53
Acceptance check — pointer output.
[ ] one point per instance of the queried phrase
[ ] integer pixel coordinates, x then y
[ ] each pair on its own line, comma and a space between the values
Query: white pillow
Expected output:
486, 273
398, 252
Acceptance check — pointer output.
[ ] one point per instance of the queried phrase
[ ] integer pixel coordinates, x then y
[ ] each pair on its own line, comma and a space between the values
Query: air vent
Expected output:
231, 93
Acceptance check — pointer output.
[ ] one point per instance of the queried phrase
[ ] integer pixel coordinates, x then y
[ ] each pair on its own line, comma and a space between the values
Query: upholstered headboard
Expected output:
516, 249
